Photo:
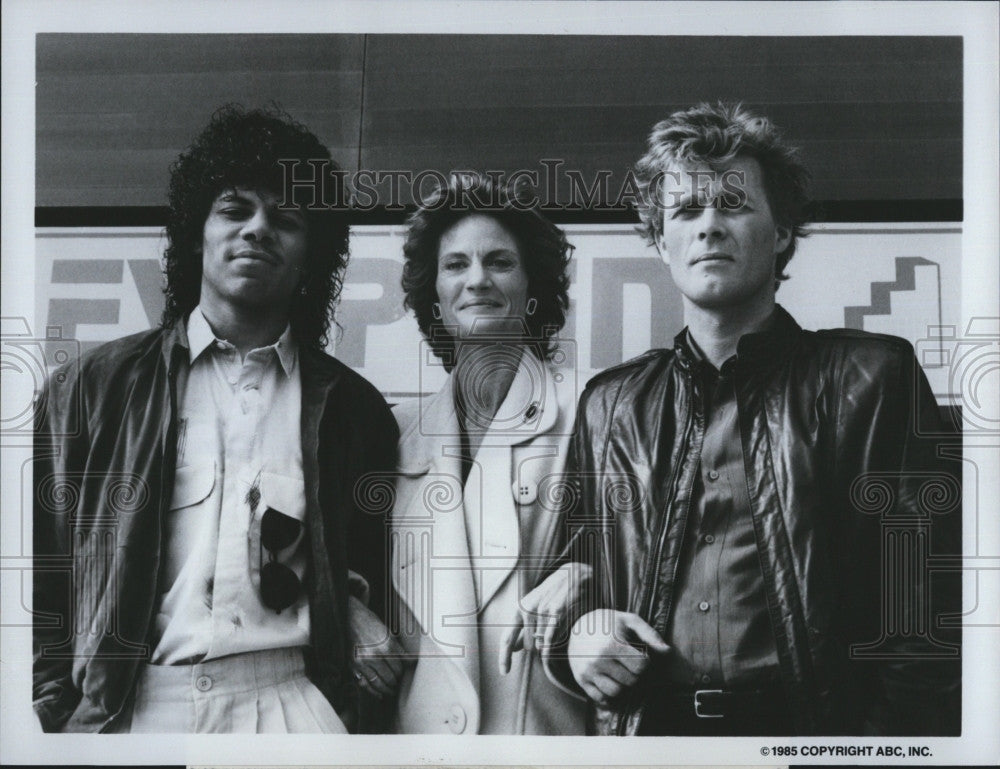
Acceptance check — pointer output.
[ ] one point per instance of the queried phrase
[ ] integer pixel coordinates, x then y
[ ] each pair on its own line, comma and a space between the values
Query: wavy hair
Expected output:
545, 255
241, 148
716, 135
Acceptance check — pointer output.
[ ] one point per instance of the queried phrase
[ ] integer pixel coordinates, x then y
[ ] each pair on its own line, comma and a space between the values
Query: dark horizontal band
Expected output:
832, 211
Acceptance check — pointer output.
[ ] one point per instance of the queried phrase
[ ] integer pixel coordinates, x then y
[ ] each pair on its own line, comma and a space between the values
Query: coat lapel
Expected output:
529, 411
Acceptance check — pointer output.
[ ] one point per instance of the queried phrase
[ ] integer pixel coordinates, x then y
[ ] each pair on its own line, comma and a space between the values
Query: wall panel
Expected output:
878, 119
113, 110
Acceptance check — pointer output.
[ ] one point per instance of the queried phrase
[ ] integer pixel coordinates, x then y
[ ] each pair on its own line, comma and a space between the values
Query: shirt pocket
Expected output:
193, 484
192, 517
285, 494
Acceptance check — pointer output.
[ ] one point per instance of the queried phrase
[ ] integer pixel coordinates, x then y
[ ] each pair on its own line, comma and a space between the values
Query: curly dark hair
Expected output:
717, 135
545, 254
241, 148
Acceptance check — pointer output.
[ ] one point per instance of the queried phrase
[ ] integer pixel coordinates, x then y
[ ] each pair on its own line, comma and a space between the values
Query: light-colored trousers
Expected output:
257, 692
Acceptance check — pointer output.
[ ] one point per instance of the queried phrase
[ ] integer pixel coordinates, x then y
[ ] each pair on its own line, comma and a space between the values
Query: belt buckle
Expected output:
697, 703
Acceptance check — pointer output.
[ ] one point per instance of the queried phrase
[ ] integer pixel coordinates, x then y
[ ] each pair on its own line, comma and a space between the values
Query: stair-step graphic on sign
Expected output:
881, 291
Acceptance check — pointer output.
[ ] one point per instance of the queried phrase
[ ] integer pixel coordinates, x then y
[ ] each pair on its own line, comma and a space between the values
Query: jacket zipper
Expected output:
646, 607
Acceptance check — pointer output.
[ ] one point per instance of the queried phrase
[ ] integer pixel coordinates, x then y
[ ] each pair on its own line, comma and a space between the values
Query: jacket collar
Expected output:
174, 345
530, 408
318, 370
753, 351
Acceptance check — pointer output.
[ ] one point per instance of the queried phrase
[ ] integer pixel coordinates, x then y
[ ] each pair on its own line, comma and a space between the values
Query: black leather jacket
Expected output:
831, 425
105, 446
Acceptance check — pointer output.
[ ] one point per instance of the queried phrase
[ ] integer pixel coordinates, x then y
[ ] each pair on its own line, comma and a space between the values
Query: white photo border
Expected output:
977, 23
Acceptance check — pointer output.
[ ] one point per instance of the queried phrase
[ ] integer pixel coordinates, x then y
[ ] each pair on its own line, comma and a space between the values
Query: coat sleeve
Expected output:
905, 502
60, 442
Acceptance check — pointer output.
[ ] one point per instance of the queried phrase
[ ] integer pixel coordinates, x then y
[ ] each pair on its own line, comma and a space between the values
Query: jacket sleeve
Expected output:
373, 495
59, 458
587, 533
905, 500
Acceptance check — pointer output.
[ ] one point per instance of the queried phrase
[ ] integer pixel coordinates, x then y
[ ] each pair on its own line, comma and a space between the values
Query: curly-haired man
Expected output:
214, 594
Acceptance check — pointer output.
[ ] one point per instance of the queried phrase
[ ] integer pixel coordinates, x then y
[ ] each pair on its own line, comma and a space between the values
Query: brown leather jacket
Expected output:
841, 470
103, 474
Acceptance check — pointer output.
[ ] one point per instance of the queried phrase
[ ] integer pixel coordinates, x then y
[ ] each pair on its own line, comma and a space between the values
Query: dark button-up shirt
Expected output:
719, 625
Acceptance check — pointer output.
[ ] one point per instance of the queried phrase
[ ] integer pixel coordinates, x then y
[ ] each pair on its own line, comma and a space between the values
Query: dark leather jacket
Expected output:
105, 447
831, 425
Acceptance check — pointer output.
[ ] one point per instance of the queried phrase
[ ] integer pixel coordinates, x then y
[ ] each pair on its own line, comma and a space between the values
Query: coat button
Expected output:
713, 475
203, 683
703, 606
525, 492
457, 719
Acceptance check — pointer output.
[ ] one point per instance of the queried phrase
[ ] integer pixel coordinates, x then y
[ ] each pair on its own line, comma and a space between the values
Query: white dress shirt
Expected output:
238, 427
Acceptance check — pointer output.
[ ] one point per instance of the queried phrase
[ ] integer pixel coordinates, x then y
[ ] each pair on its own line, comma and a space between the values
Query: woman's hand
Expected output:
377, 660
543, 611
610, 650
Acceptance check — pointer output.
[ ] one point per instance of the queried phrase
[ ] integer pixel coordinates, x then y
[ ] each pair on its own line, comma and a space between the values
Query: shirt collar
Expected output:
757, 349
200, 337
199, 334
286, 349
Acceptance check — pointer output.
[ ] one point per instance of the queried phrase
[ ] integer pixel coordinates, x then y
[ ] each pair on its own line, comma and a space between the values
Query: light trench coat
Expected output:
462, 558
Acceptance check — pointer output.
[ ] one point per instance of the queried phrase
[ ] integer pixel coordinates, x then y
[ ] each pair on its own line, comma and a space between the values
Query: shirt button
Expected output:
703, 606
457, 719
709, 539
713, 475
203, 684
706, 679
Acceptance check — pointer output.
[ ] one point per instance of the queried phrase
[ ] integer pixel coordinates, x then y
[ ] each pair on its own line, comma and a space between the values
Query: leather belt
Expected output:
717, 712
722, 703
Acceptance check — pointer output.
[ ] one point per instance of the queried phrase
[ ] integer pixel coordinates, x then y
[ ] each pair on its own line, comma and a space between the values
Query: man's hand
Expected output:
377, 656
541, 611
609, 651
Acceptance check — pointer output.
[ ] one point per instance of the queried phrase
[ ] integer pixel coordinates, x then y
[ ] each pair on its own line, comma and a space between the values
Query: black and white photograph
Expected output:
500, 383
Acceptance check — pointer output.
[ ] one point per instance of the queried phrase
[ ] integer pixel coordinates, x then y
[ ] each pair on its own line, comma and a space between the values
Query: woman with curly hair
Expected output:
475, 523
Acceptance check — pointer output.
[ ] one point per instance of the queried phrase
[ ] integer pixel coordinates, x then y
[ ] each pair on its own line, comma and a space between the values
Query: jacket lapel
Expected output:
318, 377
